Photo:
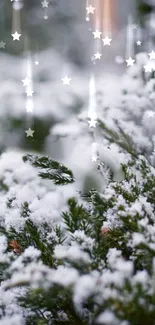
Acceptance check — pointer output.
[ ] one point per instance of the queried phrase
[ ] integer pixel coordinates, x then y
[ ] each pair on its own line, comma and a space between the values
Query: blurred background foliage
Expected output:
65, 30
59, 30
145, 8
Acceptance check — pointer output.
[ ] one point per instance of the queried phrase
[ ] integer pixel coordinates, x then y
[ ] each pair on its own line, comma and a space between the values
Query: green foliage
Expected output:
48, 298
62, 174
121, 138
145, 8
77, 218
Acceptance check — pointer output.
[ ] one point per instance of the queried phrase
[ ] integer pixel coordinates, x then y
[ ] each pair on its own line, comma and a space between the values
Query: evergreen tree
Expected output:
95, 264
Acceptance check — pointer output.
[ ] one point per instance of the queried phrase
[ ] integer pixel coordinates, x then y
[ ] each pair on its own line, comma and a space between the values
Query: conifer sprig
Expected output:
51, 169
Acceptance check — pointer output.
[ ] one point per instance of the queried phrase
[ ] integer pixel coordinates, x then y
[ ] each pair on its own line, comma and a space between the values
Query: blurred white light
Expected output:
29, 105
18, 5
119, 59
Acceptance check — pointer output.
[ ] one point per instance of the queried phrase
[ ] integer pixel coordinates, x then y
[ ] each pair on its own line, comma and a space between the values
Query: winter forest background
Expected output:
63, 44
77, 202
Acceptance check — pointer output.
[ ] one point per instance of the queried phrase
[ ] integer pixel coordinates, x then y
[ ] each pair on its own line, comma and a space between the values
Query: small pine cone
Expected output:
105, 230
16, 247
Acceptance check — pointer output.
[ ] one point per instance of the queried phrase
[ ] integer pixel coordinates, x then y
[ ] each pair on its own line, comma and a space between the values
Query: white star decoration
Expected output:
148, 68
151, 114
97, 56
36, 62
29, 133
26, 82
2, 45
66, 80
152, 55
107, 40
130, 62
87, 18
94, 158
97, 34
139, 43
16, 36
45, 4
92, 123
29, 107
29, 92
90, 9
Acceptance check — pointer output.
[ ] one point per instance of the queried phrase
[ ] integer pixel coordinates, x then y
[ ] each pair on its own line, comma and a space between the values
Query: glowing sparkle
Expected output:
26, 82
152, 55
94, 158
148, 68
29, 105
97, 34
2, 45
29, 92
139, 43
92, 123
45, 4
151, 114
119, 59
97, 55
90, 9
130, 62
16, 36
66, 80
107, 40
29, 133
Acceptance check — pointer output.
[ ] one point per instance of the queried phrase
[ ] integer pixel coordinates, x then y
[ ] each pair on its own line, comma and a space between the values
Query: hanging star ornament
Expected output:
90, 9
97, 34
29, 109
2, 45
97, 55
26, 82
29, 92
130, 62
107, 40
45, 4
94, 158
139, 43
29, 133
66, 80
16, 36
152, 55
148, 68
87, 19
92, 123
